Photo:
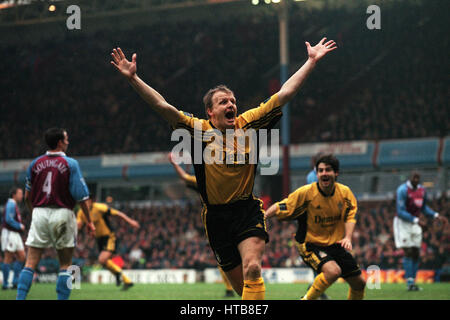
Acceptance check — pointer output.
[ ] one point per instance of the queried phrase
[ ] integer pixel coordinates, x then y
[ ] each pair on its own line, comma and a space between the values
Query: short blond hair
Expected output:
207, 98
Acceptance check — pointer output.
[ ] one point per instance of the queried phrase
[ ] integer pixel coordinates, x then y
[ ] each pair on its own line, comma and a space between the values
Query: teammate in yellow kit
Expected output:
106, 238
191, 182
326, 212
233, 217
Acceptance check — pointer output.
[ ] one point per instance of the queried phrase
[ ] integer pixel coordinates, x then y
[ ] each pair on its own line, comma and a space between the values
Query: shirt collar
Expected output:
323, 193
58, 153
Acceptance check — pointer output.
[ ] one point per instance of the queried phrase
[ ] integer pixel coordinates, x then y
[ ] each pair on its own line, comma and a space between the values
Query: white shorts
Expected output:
52, 227
11, 241
407, 234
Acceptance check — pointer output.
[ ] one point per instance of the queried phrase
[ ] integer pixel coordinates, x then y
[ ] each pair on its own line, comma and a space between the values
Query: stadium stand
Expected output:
362, 99
72, 72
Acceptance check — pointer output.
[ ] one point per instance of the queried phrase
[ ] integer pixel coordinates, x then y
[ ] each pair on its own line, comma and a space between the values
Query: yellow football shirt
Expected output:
99, 214
231, 180
321, 218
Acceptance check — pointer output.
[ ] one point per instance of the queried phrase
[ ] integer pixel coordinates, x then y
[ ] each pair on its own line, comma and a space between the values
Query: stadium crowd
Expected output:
71, 75
172, 236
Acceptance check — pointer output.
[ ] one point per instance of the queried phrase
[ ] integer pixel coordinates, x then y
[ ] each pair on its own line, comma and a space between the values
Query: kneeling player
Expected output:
326, 218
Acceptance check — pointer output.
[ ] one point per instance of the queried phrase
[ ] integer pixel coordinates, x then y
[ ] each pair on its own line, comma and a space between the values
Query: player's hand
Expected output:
346, 244
320, 50
91, 228
126, 68
135, 224
22, 227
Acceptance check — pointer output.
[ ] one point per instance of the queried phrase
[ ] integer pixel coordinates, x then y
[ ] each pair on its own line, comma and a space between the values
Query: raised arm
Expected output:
180, 171
293, 84
127, 219
151, 96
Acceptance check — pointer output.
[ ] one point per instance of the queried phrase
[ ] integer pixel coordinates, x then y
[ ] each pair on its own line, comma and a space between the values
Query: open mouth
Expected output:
229, 115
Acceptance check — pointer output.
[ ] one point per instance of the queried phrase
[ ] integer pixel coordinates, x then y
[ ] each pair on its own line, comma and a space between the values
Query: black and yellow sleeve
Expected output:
263, 117
294, 205
351, 206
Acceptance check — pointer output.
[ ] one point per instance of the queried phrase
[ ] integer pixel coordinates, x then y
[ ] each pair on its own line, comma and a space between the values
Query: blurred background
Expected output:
379, 102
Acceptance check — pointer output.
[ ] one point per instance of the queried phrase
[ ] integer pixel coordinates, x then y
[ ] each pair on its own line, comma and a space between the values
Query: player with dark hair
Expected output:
233, 217
12, 244
54, 185
106, 237
411, 200
326, 215
311, 177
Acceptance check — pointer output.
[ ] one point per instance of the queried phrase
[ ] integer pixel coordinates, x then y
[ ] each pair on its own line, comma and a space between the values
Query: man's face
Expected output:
326, 175
415, 179
223, 110
18, 196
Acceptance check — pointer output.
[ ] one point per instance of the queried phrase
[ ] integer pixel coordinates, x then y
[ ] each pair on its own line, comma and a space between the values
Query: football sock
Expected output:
355, 294
254, 289
25, 280
225, 280
318, 287
17, 267
62, 286
115, 269
111, 266
125, 279
408, 266
5, 269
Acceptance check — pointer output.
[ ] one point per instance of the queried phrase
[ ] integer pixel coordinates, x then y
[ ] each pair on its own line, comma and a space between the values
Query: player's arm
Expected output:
80, 192
181, 172
28, 202
401, 206
9, 217
349, 219
123, 216
430, 212
291, 207
346, 243
151, 96
271, 211
293, 84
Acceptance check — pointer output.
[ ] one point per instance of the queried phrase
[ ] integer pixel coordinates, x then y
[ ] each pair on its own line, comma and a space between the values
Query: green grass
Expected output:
202, 291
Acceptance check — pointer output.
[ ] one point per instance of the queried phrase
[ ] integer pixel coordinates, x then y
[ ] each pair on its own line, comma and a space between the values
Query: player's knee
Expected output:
332, 272
252, 270
102, 260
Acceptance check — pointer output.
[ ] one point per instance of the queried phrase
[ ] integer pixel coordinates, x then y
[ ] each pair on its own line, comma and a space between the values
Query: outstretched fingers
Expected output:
122, 56
116, 56
323, 40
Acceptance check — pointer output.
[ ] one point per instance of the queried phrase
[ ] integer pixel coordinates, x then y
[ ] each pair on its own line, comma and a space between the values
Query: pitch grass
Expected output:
203, 291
